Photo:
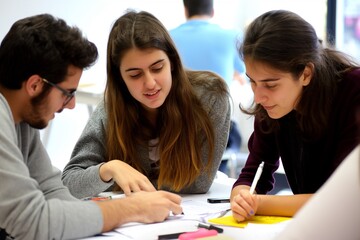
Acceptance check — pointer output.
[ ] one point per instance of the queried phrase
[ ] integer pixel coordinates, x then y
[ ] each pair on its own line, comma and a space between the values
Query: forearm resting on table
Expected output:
281, 205
115, 215
276, 205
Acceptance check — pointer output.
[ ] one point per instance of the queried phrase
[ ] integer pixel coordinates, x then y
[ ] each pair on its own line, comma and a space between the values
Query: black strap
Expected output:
3, 234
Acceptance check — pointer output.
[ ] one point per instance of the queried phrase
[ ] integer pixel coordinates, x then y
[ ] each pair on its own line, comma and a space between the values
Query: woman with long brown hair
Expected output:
159, 127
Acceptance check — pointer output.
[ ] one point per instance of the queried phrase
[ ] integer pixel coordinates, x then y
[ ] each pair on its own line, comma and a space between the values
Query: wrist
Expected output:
105, 172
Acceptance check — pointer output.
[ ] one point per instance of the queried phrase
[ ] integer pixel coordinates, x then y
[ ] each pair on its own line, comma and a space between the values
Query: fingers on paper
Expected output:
137, 186
174, 202
147, 186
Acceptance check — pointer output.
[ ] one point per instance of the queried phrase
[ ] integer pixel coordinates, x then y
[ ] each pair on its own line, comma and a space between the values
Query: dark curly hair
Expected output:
43, 45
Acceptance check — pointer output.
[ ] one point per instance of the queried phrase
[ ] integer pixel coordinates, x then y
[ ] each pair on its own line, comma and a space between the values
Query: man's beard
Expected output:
38, 107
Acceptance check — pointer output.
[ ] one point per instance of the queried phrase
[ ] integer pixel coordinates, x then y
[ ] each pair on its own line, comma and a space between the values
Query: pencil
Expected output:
97, 198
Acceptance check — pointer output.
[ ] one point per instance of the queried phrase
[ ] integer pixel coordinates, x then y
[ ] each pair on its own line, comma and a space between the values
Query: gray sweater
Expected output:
34, 204
81, 175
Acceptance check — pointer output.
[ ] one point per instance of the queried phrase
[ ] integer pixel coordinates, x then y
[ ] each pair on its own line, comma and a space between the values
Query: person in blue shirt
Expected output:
204, 45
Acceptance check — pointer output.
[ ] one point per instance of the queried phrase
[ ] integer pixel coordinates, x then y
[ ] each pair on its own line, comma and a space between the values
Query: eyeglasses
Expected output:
69, 94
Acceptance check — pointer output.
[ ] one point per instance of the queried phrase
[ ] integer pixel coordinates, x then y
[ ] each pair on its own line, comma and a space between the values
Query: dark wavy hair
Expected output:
43, 45
199, 7
283, 40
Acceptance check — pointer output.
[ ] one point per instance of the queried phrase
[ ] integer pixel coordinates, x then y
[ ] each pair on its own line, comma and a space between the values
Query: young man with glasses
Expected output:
68, 94
41, 62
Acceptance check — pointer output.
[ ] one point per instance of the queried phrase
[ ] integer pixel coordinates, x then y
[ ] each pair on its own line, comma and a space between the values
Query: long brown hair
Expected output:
182, 120
285, 41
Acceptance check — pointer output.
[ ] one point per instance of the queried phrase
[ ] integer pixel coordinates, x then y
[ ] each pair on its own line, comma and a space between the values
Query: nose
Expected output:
149, 81
71, 104
259, 95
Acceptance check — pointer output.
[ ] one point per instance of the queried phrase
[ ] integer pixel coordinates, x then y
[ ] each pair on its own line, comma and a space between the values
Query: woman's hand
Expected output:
244, 205
128, 178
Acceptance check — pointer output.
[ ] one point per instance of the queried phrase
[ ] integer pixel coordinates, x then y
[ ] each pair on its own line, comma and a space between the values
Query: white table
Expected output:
220, 188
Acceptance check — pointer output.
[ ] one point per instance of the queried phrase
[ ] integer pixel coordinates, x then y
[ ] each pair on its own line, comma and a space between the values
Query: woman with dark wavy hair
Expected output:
159, 127
305, 99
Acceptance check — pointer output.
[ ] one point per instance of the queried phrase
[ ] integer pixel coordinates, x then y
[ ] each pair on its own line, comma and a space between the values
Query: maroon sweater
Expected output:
307, 164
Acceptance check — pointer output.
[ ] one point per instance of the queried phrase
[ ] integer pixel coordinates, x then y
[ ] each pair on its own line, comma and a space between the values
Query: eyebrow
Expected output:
132, 69
264, 80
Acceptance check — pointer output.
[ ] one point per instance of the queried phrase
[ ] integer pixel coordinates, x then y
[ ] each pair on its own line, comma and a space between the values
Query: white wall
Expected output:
95, 17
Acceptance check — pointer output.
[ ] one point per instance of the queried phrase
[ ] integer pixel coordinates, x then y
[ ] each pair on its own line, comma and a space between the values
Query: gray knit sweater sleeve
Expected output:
81, 174
34, 204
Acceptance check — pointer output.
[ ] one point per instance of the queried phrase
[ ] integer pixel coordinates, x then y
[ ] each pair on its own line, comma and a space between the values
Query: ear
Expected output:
33, 85
212, 13
307, 74
186, 13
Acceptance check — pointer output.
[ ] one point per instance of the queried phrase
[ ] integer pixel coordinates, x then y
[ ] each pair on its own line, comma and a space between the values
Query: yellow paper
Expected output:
230, 221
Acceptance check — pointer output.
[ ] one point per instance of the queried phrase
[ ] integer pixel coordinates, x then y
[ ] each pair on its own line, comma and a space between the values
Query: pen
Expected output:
218, 200
257, 177
170, 236
97, 198
210, 227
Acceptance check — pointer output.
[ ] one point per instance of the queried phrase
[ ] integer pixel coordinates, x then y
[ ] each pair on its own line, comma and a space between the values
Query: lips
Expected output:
152, 93
268, 108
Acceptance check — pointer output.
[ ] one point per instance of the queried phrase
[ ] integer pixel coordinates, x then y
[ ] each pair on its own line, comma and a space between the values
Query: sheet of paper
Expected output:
194, 212
200, 207
201, 211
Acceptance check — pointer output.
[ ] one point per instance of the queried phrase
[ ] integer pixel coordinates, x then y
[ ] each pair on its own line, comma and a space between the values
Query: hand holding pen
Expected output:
244, 205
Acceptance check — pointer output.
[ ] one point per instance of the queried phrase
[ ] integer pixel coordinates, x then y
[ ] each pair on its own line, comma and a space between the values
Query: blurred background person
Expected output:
204, 45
